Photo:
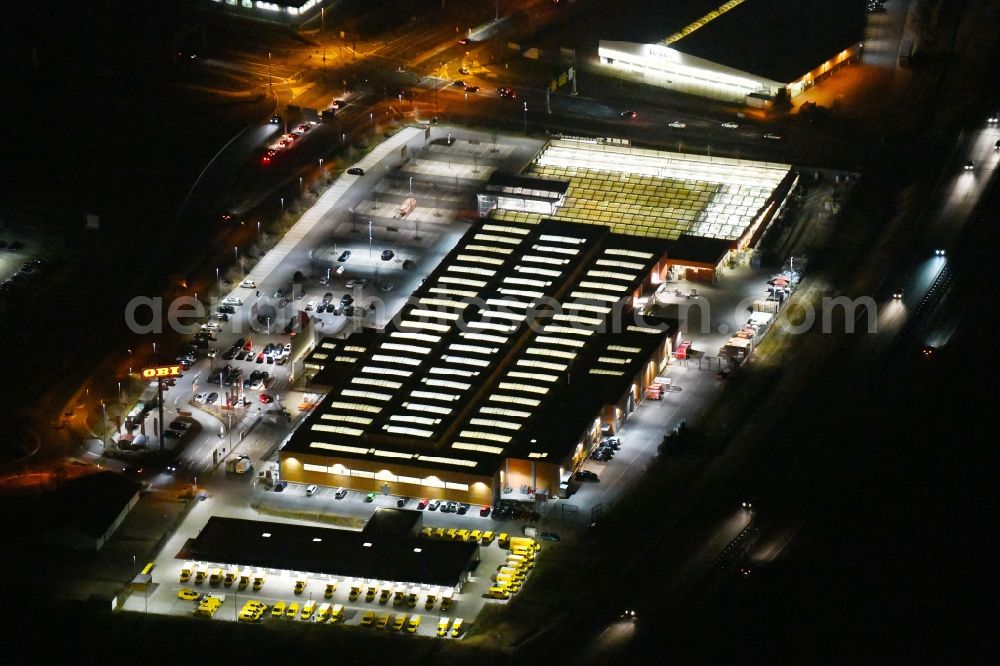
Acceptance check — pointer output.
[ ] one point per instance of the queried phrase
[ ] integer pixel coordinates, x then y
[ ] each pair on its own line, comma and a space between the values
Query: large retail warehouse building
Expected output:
499, 376
747, 50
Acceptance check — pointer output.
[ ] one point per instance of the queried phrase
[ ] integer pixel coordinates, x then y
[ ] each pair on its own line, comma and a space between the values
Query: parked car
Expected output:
408, 264
356, 171
586, 475
341, 493
266, 399
280, 485
433, 506
344, 256
484, 511
422, 504
387, 255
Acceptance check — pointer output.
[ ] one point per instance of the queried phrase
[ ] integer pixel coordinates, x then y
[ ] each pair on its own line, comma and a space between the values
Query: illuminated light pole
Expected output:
370, 240
270, 82
302, 187
282, 200
525, 117
258, 230
218, 278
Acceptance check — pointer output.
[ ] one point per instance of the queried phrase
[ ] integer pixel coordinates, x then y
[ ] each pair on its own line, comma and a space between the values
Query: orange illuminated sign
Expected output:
162, 371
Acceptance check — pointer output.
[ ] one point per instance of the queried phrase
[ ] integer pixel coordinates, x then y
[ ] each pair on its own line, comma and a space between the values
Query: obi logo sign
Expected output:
163, 371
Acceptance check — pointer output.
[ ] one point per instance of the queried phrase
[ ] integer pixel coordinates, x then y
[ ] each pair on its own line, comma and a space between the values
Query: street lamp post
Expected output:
258, 230
370, 240
218, 278
525, 117
302, 187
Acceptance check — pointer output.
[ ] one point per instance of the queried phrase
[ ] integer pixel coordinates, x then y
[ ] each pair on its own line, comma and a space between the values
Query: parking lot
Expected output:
279, 586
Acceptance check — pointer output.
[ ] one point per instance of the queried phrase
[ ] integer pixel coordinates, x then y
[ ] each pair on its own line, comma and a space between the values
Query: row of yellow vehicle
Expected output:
370, 619
456, 627
511, 574
310, 610
454, 534
402, 595
216, 576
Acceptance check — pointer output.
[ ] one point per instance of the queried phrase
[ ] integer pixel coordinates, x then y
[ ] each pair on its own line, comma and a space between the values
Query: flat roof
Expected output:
698, 250
462, 375
536, 188
777, 39
330, 551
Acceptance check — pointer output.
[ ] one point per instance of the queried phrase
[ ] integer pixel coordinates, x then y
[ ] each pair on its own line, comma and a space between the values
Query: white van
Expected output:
311, 490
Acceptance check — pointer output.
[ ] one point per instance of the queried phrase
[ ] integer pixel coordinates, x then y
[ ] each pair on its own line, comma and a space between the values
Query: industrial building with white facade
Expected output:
746, 50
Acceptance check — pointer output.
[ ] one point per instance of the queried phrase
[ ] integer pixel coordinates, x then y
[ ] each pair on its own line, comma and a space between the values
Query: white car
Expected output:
678, 124
249, 284
288, 347
201, 398
232, 300
772, 137
211, 326
311, 305
730, 125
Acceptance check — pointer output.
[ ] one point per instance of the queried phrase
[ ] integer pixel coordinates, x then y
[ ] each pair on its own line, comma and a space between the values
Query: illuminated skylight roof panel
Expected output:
424, 325
422, 420
452, 372
554, 329
448, 461
474, 349
484, 448
446, 383
492, 238
556, 250
521, 292
467, 282
607, 286
434, 314
617, 263
539, 259
494, 423
528, 282
412, 349
629, 253
577, 319
488, 248
515, 399
564, 342
423, 337
348, 418
508, 328
491, 436
383, 383
501, 411
507, 303
406, 430
537, 271
431, 395
355, 406
446, 291
545, 365
338, 430
340, 447
496, 314
524, 388
465, 360
562, 239
443, 303
404, 360
532, 376
433, 409
481, 259
368, 395
507, 229
594, 296
379, 370
544, 351
586, 307
485, 337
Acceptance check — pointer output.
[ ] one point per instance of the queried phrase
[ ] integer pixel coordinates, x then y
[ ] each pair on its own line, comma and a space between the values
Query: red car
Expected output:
485, 511
248, 345
260, 357
422, 504
266, 399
